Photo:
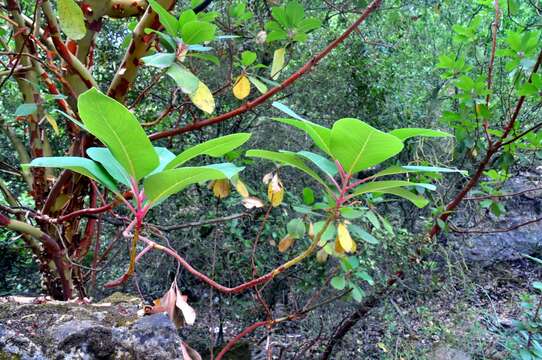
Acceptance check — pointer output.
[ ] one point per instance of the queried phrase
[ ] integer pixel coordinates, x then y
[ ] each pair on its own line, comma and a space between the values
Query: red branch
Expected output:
263, 98
239, 336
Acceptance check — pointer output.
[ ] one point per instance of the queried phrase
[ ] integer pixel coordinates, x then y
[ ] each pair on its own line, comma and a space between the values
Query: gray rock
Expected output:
445, 352
69, 331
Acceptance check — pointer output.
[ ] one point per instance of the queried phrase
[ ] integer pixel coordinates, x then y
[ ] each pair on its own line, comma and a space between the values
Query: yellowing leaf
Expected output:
278, 63
72, 20
51, 120
241, 189
241, 89
275, 191
338, 247
345, 240
286, 243
221, 188
203, 98
321, 256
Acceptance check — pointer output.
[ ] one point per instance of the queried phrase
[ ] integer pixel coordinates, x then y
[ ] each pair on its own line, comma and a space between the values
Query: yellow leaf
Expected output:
241, 189
382, 347
51, 120
345, 240
241, 89
338, 247
275, 191
321, 256
286, 243
203, 98
221, 188
278, 63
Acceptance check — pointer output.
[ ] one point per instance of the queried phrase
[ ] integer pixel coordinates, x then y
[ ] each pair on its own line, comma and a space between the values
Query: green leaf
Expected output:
349, 213
185, 80
417, 200
321, 162
262, 88
159, 60
278, 63
308, 196
187, 16
248, 57
79, 165
309, 24
296, 228
338, 282
169, 21
286, 158
294, 13
26, 109
215, 148
279, 14
72, 19
206, 57
357, 293
407, 133
197, 32
166, 183
116, 127
358, 232
394, 170
319, 134
381, 186
359, 146
373, 219
165, 157
287, 110
229, 170
108, 161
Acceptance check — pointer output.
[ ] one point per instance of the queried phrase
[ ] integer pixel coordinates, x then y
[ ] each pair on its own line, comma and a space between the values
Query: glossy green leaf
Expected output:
407, 133
26, 109
165, 157
215, 148
116, 127
159, 60
72, 19
287, 110
166, 183
79, 165
262, 88
248, 58
296, 228
381, 186
197, 32
358, 232
417, 200
359, 146
286, 158
324, 164
319, 134
185, 80
338, 282
229, 170
107, 160
169, 21
394, 170
187, 16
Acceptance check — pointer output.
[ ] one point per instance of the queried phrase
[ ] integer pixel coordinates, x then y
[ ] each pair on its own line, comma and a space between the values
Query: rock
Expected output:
58, 330
488, 248
444, 352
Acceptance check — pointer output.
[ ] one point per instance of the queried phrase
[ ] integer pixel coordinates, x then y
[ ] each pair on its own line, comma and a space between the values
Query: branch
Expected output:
48, 243
477, 198
476, 231
263, 98
202, 223
127, 71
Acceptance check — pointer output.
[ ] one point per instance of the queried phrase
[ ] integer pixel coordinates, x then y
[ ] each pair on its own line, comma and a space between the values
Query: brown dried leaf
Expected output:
221, 188
252, 202
189, 353
286, 243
